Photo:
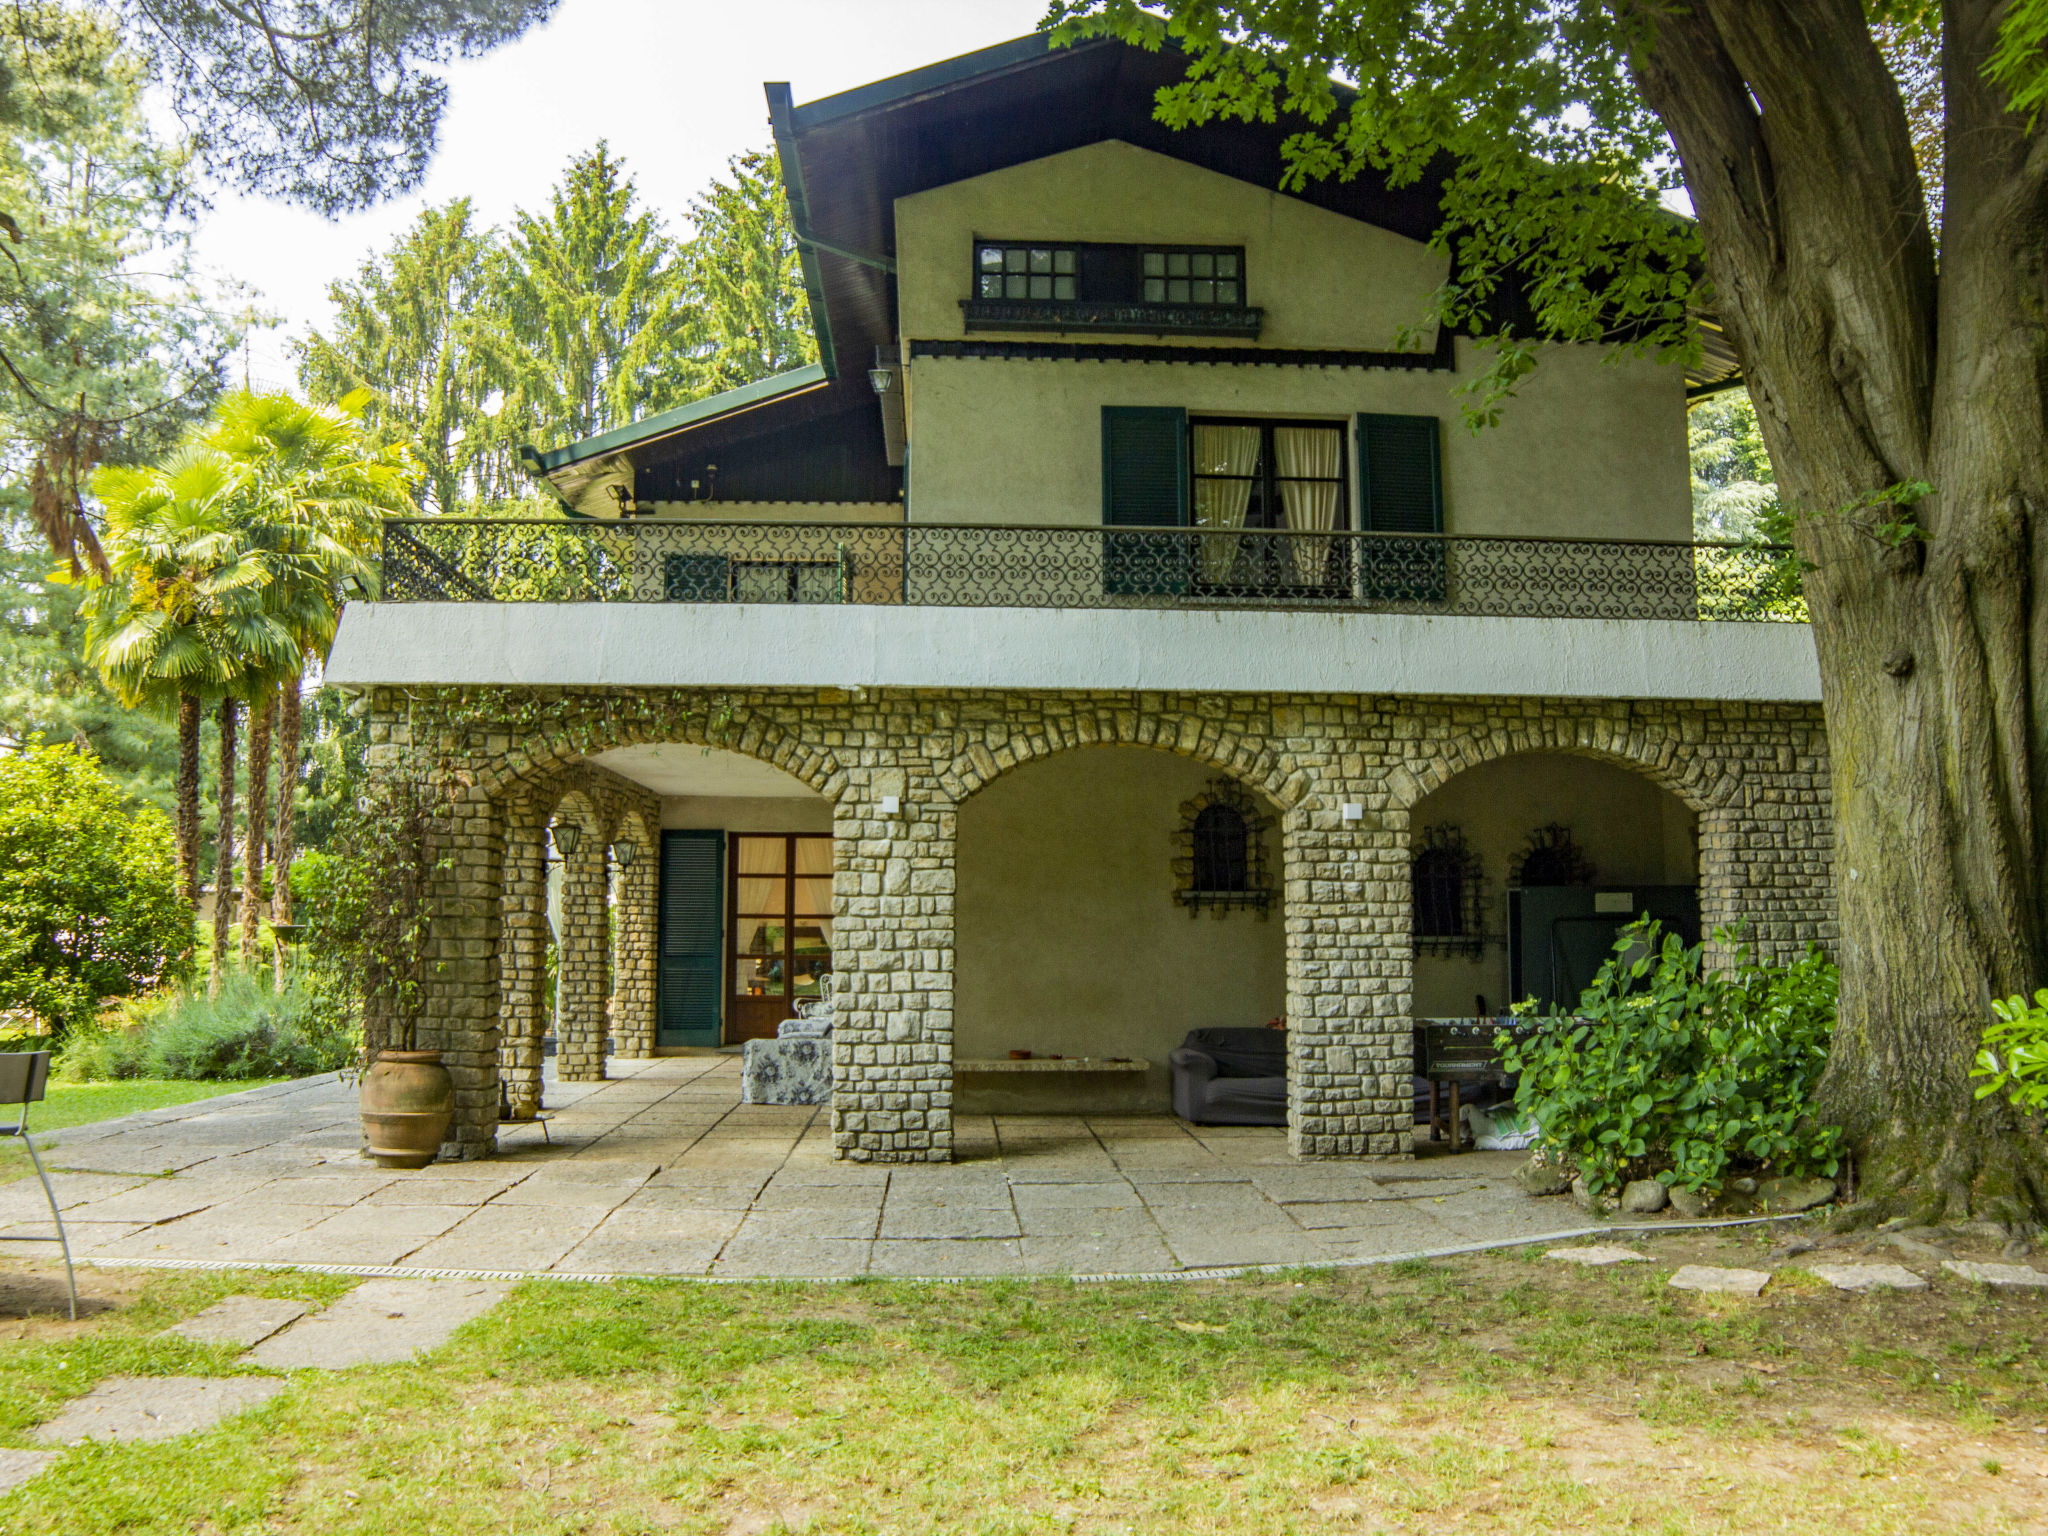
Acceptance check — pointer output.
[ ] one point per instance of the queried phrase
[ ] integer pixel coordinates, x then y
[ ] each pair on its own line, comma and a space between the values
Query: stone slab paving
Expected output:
1868, 1277
1724, 1282
155, 1407
380, 1322
1598, 1255
2006, 1276
662, 1171
17, 1467
241, 1320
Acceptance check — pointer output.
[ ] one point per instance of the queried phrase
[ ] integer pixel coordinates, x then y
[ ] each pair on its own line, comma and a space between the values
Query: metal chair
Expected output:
23, 1075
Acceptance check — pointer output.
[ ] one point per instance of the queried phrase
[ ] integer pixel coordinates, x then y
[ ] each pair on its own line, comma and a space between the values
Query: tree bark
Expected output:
1871, 368
288, 722
188, 798
262, 715
224, 848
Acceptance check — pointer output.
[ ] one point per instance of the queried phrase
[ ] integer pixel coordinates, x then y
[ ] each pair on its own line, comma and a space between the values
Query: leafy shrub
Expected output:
2014, 1058
248, 1031
88, 902
1668, 1069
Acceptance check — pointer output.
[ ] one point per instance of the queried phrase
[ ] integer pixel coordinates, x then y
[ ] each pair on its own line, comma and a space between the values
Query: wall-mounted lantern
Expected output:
565, 835
624, 852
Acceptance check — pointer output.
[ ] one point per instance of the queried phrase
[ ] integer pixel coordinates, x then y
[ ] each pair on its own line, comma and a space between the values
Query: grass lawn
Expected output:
67, 1104
1492, 1393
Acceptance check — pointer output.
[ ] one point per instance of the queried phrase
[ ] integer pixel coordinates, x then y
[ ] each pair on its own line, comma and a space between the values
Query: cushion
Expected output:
1242, 1052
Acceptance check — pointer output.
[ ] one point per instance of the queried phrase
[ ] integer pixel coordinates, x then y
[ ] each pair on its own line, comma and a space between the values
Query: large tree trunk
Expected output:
262, 715
188, 797
224, 848
1870, 369
288, 719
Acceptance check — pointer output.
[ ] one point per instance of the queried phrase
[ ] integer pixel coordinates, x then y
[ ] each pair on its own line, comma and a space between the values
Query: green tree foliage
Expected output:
579, 318
1734, 492
406, 334
88, 904
106, 341
591, 309
331, 103
1666, 1069
750, 315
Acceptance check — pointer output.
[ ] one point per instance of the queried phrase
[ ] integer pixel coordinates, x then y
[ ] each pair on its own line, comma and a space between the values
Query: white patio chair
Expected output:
23, 1075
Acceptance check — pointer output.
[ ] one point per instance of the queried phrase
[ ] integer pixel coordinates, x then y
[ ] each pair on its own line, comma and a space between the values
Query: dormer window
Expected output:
1045, 285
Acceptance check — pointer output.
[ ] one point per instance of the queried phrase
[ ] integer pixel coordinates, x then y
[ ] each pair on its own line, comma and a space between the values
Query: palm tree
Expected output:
311, 491
186, 617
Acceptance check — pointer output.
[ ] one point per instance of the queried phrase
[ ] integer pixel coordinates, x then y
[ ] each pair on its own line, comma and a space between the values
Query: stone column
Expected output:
1349, 976
633, 974
522, 966
582, 971
461, 1005
892, 953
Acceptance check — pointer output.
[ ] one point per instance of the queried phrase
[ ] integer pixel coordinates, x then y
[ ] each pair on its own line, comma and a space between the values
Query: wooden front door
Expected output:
781, 903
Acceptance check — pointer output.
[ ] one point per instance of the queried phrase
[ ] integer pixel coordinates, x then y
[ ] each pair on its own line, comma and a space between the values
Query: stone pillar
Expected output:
1349, 976
582, 971
460, 1013
633, 970
892, 954
522, 967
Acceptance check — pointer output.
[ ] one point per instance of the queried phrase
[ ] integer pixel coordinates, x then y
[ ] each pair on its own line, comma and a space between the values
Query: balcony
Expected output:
495, 560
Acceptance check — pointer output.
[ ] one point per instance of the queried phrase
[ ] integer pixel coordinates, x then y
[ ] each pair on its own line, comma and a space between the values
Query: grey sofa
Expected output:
1231, 1077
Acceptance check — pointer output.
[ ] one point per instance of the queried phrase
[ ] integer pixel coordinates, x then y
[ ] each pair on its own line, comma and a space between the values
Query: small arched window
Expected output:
1445, 875
1219, 851
1552, 858
1221, 860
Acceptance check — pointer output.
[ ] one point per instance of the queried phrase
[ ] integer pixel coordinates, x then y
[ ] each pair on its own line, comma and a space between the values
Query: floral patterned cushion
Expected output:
786, 1071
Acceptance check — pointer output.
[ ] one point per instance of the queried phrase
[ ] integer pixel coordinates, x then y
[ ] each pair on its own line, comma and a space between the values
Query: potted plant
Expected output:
372, 941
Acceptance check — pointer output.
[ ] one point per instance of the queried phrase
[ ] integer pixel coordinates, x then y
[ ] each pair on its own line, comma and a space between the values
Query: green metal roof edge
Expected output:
933, 77
675, 420
781, 122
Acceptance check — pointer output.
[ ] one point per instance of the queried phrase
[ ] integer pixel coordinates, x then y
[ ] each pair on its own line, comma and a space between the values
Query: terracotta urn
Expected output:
407, 1102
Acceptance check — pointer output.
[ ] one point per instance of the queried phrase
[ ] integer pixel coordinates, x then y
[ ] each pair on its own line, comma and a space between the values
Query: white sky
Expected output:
674, 85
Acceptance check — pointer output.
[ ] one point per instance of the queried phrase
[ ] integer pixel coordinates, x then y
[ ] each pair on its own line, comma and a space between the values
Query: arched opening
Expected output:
739, 893
1110, 899
1522, 872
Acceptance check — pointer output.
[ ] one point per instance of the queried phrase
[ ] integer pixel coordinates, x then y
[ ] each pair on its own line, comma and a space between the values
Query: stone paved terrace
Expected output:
661, 1171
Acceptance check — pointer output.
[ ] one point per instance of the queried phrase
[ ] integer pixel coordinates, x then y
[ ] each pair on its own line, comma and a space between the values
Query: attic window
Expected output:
1048, 273
1192, 277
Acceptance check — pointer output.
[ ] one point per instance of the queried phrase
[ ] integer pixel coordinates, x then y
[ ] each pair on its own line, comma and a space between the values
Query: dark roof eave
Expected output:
683, 417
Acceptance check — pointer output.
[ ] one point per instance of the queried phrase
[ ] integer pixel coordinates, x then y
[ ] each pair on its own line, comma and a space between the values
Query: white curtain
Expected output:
1232, 451
1315, 455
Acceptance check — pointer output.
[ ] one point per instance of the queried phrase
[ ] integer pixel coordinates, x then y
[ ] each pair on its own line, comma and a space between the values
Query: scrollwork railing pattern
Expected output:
503, 560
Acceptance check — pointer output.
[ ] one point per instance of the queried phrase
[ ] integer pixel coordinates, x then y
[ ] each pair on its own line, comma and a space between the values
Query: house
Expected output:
1117, 632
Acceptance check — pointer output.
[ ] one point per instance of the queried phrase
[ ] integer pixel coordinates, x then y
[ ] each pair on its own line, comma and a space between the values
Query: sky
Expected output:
673, 85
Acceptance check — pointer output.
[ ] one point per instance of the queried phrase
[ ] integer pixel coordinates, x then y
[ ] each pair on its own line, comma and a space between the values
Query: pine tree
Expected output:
751, 317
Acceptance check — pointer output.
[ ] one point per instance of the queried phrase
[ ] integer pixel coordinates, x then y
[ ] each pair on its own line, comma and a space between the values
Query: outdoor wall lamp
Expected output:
624, 852
882, 379
566, 835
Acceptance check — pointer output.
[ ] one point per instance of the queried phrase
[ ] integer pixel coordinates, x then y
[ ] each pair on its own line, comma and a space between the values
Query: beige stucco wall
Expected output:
1069, 941
748, 813
1592, 446
1323, 280
1633, 832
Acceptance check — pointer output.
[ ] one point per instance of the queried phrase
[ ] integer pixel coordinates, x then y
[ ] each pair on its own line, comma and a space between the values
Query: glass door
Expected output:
781, 902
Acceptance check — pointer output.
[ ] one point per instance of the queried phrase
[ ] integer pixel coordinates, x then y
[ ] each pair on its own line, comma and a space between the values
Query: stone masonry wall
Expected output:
1754, 774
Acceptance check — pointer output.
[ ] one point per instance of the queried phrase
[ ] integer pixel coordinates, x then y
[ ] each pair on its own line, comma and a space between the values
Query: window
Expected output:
1220, 853
1192, 277
1041, 272
1400, 479
1046, 285
1283, 476
1551, 858
781, 906
1445, 877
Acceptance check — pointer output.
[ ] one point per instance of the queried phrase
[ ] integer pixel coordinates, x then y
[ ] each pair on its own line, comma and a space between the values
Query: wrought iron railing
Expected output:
503, 560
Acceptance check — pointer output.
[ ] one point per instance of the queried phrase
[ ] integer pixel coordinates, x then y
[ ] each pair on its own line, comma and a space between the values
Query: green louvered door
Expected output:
1400, 482
1145, 485
692, 927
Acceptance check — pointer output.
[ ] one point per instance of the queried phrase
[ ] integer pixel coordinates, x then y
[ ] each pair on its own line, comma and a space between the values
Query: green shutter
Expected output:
1145, 485
691, 963
1400, 484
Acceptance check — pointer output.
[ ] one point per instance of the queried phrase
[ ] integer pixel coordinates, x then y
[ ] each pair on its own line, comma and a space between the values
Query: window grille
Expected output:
1220, 852
1448, 903
1551, 858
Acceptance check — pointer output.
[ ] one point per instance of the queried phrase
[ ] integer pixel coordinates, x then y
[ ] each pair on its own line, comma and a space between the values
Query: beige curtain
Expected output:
1316, 455
1222, 503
